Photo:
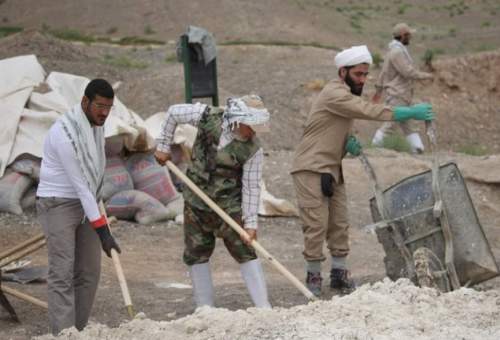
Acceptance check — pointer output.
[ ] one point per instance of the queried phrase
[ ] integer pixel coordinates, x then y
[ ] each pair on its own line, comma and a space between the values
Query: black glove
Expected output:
107, 240
327, 184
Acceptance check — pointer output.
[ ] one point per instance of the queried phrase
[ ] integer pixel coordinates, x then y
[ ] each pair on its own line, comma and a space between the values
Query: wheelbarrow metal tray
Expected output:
409, 205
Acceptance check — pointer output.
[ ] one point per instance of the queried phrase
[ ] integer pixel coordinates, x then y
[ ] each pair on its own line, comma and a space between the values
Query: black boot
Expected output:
341, 279
313, 283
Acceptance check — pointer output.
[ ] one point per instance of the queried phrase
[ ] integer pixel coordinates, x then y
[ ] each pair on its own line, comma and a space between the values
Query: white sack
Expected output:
272, 206
184, 133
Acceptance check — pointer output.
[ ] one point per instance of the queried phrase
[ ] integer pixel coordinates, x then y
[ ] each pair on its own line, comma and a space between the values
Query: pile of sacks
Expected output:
137, 188
18, 185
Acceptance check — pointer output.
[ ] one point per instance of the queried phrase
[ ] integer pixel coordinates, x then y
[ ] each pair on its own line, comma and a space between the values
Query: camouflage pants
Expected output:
200, 230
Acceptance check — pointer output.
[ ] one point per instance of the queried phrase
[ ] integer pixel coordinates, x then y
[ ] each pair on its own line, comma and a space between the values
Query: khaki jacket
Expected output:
321, 148
398, 74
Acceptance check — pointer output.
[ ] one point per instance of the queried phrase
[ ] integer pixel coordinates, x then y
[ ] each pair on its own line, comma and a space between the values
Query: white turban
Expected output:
353, 56
248, 110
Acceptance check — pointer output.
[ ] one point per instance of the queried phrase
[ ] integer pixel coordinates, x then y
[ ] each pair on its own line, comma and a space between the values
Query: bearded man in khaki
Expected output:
317, 166
396, 81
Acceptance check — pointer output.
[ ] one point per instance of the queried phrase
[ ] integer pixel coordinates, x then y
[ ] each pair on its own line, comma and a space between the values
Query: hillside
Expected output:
464, 91
456, 26
282, 50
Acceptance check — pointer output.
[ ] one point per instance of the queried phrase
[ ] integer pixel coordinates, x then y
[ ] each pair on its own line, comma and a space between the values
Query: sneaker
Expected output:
313, 283
417, 151
341, 279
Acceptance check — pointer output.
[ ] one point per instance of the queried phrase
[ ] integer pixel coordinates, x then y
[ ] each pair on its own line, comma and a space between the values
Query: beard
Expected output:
356, 90
94, 120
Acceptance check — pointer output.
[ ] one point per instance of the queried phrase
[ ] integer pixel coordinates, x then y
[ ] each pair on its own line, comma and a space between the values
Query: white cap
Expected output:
402, 28
353, 56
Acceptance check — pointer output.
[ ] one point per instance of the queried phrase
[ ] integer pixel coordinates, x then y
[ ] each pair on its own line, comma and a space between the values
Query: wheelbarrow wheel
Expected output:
429, 270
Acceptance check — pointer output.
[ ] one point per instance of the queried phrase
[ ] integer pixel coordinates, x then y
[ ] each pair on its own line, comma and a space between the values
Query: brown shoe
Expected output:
313, 283
341, 279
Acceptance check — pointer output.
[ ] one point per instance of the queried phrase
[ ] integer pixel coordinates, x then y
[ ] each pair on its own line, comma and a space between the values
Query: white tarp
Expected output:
31, 132
121, 121
19, 73
18, 77
24, 128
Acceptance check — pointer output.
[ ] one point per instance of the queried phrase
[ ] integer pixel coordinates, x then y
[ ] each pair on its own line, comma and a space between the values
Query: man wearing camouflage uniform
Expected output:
227, 166
396, 80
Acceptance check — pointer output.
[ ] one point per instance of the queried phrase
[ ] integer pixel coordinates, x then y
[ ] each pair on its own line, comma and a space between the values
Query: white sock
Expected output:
339, 262
415, 142
253, 275
203, 289
378, 138
314, 266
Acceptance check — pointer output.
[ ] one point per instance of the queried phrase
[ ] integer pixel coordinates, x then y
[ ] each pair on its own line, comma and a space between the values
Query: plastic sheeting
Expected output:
19, 76
27, 115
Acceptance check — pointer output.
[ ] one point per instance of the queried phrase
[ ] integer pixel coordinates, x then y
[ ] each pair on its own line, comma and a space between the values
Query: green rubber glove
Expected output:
353, 146
422, 111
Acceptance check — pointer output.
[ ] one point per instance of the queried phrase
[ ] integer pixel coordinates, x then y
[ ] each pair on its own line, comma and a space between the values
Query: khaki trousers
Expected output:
389, 128
324, 218
74, 254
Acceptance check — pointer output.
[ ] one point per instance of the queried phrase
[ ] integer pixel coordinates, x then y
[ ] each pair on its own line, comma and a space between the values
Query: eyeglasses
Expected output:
100, 106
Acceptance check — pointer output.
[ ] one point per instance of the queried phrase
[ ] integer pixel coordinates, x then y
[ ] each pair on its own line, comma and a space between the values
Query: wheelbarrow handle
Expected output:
381, 206
439, 210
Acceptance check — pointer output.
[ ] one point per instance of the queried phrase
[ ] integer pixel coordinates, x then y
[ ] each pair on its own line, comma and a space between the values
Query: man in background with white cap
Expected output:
396, 80
317, 165
227, 166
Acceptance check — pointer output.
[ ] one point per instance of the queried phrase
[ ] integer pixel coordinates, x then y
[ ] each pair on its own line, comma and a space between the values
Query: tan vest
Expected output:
321, 148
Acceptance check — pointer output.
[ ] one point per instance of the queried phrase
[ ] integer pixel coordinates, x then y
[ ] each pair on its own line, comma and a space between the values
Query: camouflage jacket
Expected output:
218, 172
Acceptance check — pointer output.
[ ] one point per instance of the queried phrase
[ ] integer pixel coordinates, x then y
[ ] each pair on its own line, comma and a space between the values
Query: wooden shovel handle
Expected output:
22, 245
119, 271
232, 223
25, 297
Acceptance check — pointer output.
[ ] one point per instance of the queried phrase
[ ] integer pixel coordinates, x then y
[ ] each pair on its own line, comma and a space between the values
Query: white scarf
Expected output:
238, 111
88, 143
397, 44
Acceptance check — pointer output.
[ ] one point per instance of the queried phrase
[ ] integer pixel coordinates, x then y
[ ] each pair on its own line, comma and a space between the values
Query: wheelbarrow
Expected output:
429, 229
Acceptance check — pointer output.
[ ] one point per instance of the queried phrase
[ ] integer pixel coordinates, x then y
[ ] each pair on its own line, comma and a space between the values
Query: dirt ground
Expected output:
152, 254
465, 93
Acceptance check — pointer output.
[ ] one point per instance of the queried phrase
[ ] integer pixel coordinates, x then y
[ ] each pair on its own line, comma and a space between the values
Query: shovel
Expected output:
6, 304
119, 271
232, 223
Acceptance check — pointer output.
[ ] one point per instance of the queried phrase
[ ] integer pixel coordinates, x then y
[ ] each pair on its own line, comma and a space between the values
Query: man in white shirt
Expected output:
227, 166
71, 177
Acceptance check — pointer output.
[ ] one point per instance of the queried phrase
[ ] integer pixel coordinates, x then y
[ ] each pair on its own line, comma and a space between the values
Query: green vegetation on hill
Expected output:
8, 30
